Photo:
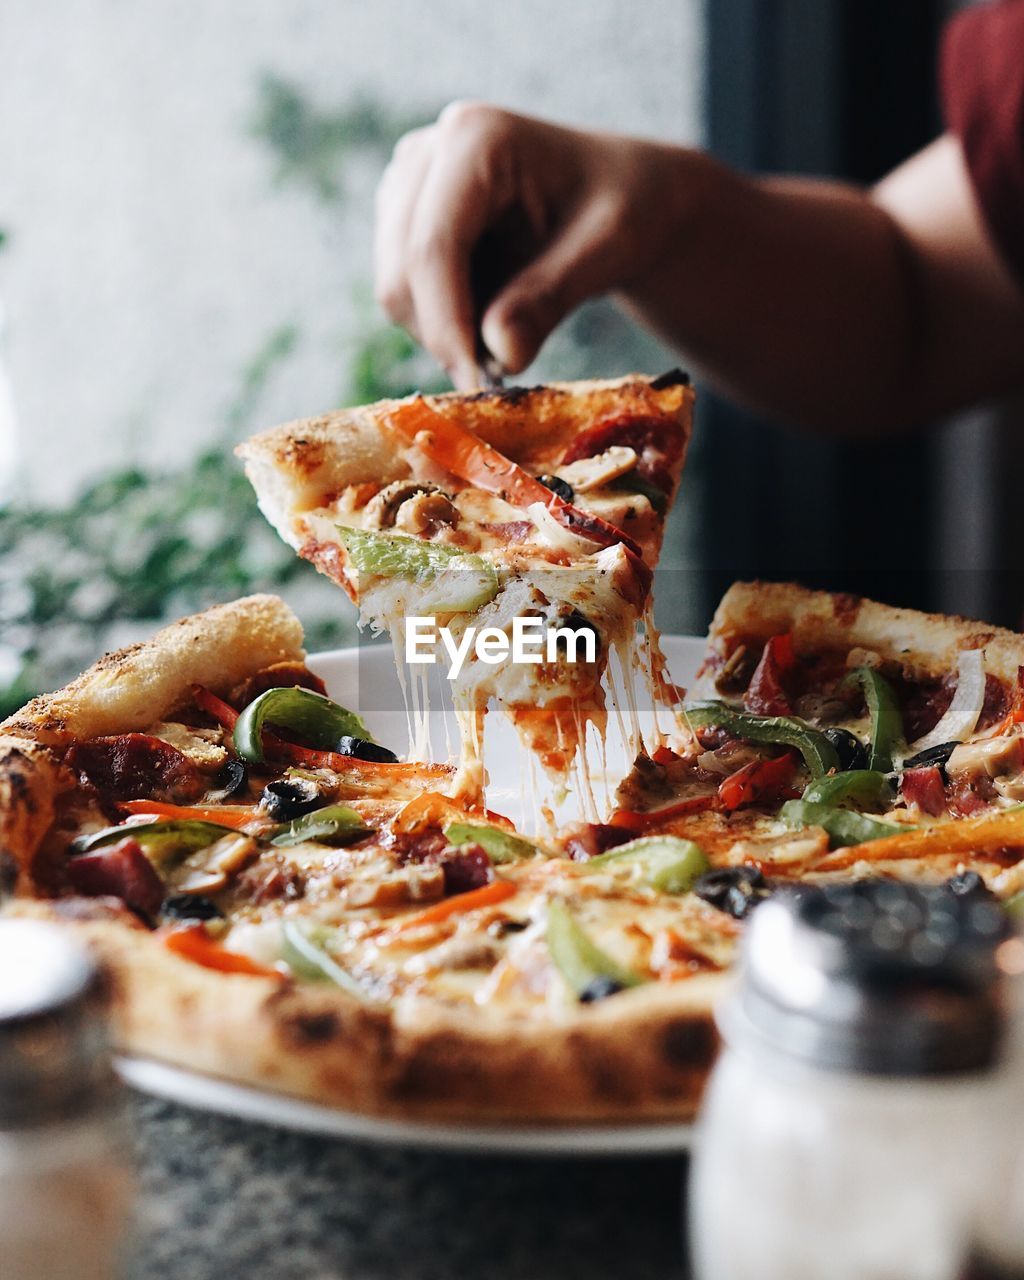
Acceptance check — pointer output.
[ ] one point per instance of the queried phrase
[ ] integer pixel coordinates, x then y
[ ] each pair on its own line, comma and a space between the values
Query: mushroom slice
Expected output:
211, 868
425, 513
602, 469
475, 952
414, 883
382, 509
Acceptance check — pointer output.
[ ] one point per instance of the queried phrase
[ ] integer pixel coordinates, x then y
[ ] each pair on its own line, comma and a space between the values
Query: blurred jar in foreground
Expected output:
996, 1250
859, 1115
64, 1185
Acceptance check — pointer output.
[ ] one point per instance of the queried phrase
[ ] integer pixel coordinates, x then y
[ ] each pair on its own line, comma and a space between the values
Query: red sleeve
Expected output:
983, 93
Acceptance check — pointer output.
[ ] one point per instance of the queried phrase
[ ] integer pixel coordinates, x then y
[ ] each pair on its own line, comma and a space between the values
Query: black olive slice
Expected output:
599, 989
734, 890
968, 884
932, 756
290, 798
364, 750
852, 753
562, 488
231, 780
191, 906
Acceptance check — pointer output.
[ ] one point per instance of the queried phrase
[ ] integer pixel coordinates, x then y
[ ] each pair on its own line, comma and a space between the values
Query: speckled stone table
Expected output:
223, 1199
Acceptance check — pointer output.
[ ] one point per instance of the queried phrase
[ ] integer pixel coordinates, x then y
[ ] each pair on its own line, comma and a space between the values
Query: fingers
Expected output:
443, 187
396, 198
583, 260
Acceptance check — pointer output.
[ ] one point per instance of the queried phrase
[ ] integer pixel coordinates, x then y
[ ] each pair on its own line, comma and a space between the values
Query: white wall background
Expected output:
150, 249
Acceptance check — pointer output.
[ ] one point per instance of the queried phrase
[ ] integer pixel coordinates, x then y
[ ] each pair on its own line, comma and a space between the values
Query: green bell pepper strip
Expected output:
577, 957
317, 720
844, 826
1014, 906
633, 483
886, 718
864, 786
665, 862
333, 824
464, 581
818, 753
500, 846
158, 839
303, 951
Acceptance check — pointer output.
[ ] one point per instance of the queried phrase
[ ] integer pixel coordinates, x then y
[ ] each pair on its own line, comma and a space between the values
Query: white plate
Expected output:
364, 679
207, 1094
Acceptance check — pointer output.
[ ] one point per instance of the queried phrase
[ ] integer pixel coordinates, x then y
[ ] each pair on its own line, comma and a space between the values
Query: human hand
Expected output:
496, 225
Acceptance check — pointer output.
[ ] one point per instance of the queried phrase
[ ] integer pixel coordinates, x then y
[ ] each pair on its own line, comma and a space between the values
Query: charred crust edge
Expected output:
670, 378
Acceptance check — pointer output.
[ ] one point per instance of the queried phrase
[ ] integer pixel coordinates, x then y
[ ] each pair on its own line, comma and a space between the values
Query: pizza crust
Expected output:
305, 464
643, 1056
926, 643
135, 687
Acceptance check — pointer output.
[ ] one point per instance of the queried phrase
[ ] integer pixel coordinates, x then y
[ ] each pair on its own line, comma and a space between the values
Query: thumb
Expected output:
576, 265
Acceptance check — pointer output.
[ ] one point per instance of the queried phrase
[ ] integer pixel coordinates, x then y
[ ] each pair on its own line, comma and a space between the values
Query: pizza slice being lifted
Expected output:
543, 503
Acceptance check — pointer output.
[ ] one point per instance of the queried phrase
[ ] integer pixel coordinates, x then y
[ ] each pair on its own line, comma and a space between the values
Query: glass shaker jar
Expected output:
64, 1183
860, 1105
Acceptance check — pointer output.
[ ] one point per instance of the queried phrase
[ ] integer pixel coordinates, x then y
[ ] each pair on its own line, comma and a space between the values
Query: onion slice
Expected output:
556, 535
963, 712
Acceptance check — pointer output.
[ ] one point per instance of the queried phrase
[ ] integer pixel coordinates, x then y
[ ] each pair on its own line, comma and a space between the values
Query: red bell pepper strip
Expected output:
221, 711
766, 694
226, 715
234, 816
467, 456
637, 821
754, 780
194, 944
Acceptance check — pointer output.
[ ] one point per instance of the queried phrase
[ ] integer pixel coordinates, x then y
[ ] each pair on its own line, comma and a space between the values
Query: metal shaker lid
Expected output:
877, 977
54, 1047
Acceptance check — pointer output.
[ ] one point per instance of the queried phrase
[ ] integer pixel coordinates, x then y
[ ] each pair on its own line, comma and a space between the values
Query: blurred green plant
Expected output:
140, 547
312, 145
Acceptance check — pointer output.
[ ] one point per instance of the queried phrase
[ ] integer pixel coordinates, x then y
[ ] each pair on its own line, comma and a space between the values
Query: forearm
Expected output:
814, 302
847, 310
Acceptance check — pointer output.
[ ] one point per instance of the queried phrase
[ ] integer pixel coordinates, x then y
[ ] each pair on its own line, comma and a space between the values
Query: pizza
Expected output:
831, 736
283, 903
479, 511
286, 902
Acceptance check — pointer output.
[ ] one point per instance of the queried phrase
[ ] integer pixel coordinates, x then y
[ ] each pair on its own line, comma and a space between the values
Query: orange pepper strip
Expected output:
223, 816
352, 765
986, 833
194, 944
314, 759
487, 896
429, 809
467, 456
